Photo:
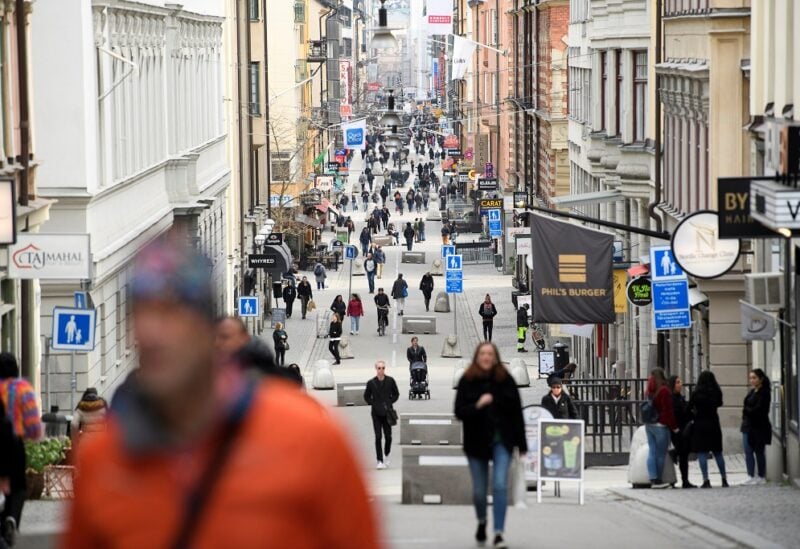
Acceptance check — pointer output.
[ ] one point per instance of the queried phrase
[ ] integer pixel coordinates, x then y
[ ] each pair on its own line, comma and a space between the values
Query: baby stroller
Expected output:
419, 381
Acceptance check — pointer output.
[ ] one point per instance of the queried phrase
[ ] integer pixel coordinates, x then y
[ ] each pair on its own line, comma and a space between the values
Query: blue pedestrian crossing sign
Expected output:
350, 252
248, 305
448, 249
73, 329
454, 286
663, 265
454, 262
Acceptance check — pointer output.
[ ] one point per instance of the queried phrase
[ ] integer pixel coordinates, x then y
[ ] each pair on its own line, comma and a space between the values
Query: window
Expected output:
346, 17
492, 31
603, 84
255, 90
281, 166
300, 70
639, 96
347, 47
617, 91
578, 11
253, 10
299, 12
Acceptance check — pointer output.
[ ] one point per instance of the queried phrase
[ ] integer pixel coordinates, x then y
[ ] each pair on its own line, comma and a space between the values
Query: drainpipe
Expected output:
268, 151
651, 208
26, 350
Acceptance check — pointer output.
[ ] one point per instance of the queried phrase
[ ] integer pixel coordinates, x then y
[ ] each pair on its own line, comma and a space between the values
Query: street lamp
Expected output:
390, 117
382, 37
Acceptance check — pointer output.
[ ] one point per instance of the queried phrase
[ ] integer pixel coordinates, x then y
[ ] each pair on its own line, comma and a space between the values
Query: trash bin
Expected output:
562, 356
55, 423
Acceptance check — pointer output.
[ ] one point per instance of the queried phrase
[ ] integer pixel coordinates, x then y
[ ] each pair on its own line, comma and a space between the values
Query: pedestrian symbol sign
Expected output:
494, 214
350, 252
448, 249
73, 329
248, 306
663, 265
454, 262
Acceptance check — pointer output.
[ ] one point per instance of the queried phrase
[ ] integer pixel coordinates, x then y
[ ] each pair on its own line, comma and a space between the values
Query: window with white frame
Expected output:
578, 11
639, 96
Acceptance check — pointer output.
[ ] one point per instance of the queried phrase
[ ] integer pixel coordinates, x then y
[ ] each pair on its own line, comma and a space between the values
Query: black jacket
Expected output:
755, 417
565, 409
289, 293
503, 416
381, 395
339, 308
304, 290
680, 408
398, 287
382, 300
279, 338
335, 330
522, 317
487, 312
426, 285
408, 233
706, 432
416, 355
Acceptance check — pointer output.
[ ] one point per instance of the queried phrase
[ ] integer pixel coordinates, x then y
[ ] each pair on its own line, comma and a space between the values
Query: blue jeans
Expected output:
702, 460
752, 456
371, 280
479, 471
354, 322
658, 443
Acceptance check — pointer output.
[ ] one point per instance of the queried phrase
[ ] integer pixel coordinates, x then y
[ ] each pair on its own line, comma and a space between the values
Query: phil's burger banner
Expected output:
572, 273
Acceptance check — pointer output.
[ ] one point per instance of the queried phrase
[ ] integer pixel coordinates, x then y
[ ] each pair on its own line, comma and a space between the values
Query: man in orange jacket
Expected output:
199, 455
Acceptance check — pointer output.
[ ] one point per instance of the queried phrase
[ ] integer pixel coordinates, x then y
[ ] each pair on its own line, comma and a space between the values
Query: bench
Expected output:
430, 429
419, 324
350, 394
413, 257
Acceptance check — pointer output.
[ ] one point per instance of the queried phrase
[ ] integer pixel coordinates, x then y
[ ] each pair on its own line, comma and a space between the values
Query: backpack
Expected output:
319, 270
649, 412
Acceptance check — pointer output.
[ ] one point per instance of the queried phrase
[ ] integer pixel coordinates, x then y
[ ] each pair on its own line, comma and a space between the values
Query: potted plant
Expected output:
38, 455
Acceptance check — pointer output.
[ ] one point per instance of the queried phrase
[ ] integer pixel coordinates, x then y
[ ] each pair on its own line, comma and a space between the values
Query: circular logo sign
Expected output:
640, 292
698, 249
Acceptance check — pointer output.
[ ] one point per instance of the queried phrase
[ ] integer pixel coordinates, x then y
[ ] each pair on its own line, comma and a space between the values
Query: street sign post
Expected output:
350, 252
81, 300
248, 306
454, 281
448, 249
495, 223
670, 291
454, 286
454, 275
74, 331
454, 262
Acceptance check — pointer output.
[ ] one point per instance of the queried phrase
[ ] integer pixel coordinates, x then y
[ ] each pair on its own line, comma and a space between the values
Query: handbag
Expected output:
286, 346
391, 415
311, 305
405, 292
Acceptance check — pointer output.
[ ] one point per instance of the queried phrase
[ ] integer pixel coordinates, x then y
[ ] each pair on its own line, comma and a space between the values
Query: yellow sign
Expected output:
572, 268
472, 175
620, 291
490, 203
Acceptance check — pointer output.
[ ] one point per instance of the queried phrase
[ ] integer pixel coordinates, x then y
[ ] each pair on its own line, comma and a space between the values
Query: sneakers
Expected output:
381, 465
658, 484
499, 542
480, 535
758, 481
749, 482
387, 460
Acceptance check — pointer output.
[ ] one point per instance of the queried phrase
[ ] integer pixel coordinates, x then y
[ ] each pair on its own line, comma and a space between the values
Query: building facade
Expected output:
136, 147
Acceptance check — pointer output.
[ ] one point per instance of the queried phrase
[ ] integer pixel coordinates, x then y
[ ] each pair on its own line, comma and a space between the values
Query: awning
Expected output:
639, 270
310, 221
588, 198
696, 297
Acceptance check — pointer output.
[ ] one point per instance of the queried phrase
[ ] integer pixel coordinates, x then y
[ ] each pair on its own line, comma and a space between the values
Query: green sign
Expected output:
640, 292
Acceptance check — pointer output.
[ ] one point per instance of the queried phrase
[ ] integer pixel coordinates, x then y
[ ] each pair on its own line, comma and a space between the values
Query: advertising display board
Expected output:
561, 452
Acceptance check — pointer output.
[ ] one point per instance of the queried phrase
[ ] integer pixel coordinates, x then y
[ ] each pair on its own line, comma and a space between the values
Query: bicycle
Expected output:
383, 319
537, 337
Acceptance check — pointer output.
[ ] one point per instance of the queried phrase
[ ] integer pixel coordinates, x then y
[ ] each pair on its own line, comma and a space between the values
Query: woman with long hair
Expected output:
334, 335
756, 428
658, 433
355, 310
683, 416
489, 407
279, 339
706, 432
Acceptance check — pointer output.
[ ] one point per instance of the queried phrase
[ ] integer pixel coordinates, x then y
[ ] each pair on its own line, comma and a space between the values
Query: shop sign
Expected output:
640, 292
698, 250
50, 256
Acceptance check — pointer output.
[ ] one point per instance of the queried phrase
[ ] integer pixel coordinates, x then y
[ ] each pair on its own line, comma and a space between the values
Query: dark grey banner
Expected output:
572, 273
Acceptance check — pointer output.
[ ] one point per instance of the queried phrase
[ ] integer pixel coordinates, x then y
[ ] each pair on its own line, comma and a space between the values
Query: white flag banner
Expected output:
462, 56
439, 16
355, 134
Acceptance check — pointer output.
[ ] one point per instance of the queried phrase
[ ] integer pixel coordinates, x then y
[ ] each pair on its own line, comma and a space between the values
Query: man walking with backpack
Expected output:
381, 393
320, 276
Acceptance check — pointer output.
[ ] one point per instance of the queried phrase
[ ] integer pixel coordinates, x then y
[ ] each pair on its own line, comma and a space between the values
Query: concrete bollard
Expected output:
519, 371
442, 304
323, 376
458, 371
345, 348
434, 213
451, 349
436, 267
637, 464
358, 267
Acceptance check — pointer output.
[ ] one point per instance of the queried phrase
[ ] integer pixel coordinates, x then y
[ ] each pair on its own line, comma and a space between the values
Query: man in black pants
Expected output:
380, 394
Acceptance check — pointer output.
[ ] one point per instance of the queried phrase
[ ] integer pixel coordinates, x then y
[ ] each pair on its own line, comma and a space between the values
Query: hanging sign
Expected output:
698, 250
640, 292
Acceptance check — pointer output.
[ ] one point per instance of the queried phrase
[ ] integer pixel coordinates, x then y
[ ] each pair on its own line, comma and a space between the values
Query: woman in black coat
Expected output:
488, 311
339, 306
334, 335
680, 440
426, 285
756, 428
489, 406
706, 431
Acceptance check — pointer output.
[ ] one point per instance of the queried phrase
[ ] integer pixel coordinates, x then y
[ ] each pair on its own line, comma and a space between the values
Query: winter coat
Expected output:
408, 233
304, 290
279, 338
662, 400
416, 355
488, 312
365, 237
339, 307
564, 409
355, 308
706, 431
522, 317
683, 414
381, 394
426, 285
398, 287
289, 294
320, 277
335, 330
503, 416
755, 417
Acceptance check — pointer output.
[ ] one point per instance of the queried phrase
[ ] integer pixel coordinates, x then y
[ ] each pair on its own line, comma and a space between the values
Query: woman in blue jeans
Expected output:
658, 434
706, 432
756, 428
489, 406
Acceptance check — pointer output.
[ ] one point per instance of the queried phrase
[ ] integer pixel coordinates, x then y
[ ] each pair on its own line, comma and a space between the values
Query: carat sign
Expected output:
698, 250
50, 256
